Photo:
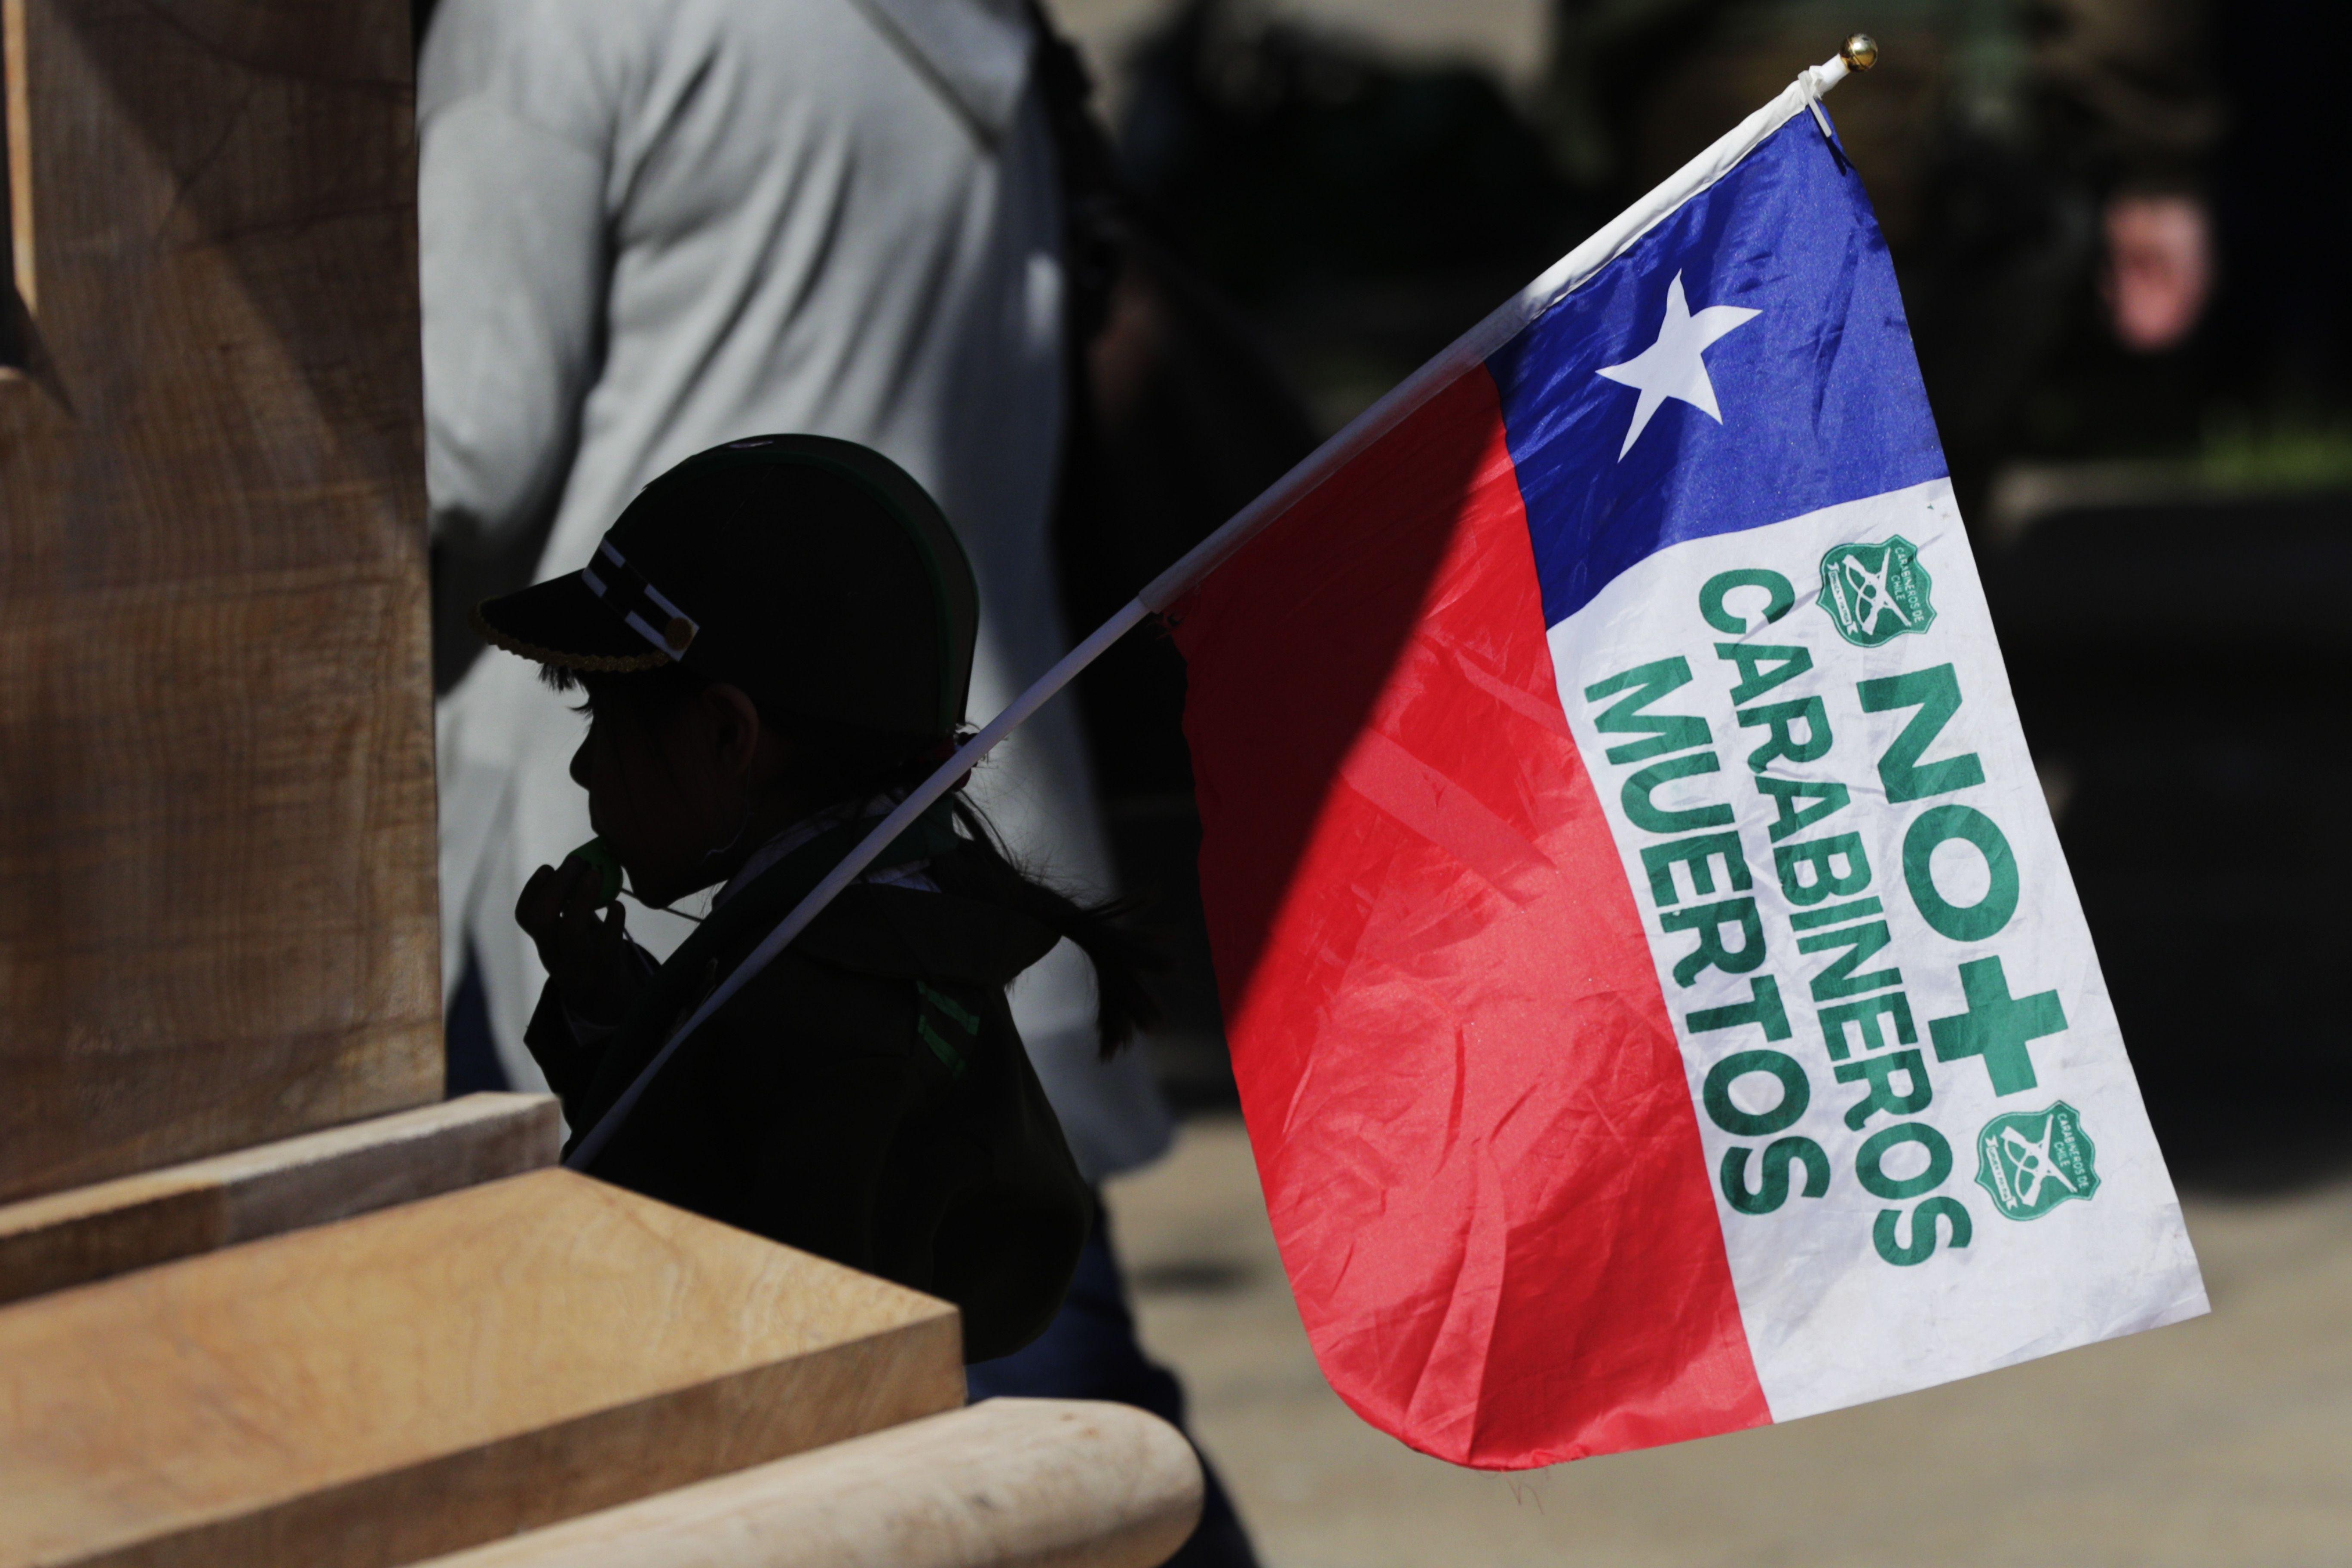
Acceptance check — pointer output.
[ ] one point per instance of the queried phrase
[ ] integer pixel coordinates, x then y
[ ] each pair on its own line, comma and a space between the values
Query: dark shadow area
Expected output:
15, 323
1179, 418
1363, 212
1184, 422
472, 1057
2180, 672
464, 574
21, 349
1192, 1277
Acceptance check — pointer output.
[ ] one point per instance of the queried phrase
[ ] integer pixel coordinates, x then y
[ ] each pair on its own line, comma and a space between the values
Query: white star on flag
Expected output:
1672, 366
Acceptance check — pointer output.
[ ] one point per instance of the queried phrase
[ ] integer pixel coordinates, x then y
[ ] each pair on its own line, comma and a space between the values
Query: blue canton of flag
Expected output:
1812, 399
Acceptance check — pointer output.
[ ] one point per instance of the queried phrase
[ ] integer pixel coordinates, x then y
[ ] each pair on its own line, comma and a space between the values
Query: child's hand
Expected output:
585, 947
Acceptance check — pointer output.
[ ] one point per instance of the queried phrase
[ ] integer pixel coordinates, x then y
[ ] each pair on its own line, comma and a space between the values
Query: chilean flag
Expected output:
1659, 1003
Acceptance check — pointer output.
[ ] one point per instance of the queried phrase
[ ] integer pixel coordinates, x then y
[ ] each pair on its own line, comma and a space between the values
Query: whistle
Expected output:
597, 855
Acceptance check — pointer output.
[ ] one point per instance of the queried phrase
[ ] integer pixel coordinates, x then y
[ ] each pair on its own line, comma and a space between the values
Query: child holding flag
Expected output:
774, 642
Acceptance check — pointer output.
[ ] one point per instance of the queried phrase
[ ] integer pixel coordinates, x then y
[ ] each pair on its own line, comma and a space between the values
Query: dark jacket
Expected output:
865, 1096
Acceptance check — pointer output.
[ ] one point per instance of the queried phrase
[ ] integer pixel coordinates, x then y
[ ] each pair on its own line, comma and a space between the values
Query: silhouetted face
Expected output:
667, 788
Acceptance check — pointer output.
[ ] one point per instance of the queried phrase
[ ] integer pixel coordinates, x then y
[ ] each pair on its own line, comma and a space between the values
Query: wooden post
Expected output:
216, 860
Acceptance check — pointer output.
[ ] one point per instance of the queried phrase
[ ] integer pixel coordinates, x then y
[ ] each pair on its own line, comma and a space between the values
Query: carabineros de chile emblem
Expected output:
1875, 593
2033, 1161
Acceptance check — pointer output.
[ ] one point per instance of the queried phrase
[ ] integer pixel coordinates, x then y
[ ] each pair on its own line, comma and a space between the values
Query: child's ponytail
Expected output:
847, 764
840, 762
1123, 1003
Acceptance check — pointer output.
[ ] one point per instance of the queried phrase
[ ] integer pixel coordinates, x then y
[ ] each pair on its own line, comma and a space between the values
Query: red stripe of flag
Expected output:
1469, 1111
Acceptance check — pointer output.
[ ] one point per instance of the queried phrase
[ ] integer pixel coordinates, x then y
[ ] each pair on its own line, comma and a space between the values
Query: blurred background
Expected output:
2119, 226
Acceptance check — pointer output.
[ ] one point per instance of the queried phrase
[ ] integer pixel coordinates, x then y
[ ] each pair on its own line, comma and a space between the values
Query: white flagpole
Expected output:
1474, 346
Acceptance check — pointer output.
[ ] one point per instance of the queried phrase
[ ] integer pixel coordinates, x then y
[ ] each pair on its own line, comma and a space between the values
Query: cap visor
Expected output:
561, 622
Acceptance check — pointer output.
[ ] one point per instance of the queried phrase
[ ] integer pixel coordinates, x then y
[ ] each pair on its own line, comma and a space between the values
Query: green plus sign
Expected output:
1997, 1026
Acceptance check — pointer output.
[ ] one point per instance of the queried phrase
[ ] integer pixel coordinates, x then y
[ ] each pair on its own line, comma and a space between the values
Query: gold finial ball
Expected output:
1860, 51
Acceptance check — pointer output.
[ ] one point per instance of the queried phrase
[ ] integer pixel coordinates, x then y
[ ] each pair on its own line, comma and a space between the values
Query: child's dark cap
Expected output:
812, 573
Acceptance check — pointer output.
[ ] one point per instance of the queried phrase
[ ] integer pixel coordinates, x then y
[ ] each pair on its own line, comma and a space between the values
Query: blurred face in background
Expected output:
2160, 270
